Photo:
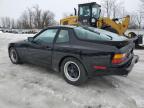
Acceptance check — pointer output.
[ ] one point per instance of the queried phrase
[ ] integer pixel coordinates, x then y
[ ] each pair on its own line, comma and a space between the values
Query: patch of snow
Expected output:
30, 86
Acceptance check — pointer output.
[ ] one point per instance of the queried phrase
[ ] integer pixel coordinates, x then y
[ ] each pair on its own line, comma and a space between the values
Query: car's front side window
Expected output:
46, 37
63, 36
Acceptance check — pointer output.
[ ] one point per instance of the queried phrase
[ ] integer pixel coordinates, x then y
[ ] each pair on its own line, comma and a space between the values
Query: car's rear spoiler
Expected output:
120, 44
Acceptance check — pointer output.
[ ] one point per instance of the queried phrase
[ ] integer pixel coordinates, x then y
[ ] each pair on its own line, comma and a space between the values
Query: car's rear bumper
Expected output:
121, 70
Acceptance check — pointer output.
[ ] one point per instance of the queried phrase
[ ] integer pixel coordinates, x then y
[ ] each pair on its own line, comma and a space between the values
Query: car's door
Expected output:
40, 49
61, 46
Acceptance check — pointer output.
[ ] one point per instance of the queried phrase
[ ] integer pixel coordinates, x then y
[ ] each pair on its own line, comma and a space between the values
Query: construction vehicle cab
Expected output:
89, 13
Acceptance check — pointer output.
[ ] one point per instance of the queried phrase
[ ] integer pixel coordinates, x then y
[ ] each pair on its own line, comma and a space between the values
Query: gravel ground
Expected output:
30, 86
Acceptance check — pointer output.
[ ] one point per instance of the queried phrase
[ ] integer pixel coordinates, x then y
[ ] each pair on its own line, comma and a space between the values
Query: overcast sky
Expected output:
14, 8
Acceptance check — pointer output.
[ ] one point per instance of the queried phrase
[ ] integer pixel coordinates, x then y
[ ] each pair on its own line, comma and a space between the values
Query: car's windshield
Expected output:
90, 33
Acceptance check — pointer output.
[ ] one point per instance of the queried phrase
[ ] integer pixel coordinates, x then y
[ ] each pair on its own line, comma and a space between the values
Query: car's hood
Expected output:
20, 41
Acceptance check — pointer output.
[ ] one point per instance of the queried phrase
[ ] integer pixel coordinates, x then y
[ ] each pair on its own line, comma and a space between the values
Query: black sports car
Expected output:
77, 52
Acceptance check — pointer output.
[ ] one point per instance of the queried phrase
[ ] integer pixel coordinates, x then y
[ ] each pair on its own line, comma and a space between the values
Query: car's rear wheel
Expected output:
73, 71
14, 56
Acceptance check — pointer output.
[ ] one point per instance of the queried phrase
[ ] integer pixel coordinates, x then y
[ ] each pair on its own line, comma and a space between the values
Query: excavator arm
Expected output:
119, 27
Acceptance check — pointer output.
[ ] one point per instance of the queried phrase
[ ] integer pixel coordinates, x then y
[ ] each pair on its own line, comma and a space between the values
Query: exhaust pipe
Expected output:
75, 10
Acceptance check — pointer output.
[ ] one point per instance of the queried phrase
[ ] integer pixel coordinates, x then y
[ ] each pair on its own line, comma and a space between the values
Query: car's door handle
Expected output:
47, 47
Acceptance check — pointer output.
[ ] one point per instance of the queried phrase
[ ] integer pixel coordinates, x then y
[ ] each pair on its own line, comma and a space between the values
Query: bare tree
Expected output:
139, 19
113, 8
42, 18
141, 13
3, 23
133, 24
37, 16
13, 25
123, 11
50, 18
31, 18
47, 18
118, 10
6, 22
107, 7
24, 20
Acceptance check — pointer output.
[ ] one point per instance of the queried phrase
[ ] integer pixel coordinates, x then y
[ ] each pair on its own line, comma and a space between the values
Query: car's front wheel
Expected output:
14, 56
73, 71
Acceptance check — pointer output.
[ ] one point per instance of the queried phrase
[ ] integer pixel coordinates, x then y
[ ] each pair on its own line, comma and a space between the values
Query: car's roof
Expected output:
62, 26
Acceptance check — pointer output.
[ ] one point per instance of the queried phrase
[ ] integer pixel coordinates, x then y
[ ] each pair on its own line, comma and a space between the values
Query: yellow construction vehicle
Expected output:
89, 14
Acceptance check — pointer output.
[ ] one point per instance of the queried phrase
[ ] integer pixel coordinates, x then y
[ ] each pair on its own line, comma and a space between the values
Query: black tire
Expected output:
13, 55
76, 75
131, 35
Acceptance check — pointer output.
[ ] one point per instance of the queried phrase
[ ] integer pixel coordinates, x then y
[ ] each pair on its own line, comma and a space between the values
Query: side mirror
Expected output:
30, 39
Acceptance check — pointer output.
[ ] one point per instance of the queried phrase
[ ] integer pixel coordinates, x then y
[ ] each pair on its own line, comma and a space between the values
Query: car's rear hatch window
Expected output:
94, 34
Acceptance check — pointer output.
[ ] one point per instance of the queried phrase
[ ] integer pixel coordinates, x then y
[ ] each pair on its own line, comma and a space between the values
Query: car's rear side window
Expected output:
63, 36
87, 34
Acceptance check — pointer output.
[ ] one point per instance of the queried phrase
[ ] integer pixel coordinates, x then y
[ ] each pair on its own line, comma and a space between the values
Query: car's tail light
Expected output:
118, 58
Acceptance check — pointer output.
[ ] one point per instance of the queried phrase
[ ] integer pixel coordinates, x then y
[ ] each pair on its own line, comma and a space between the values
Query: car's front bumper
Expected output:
120, 70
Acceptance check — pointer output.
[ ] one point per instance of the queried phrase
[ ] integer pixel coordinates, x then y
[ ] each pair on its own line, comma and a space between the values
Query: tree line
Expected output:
32, 18
37, 18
